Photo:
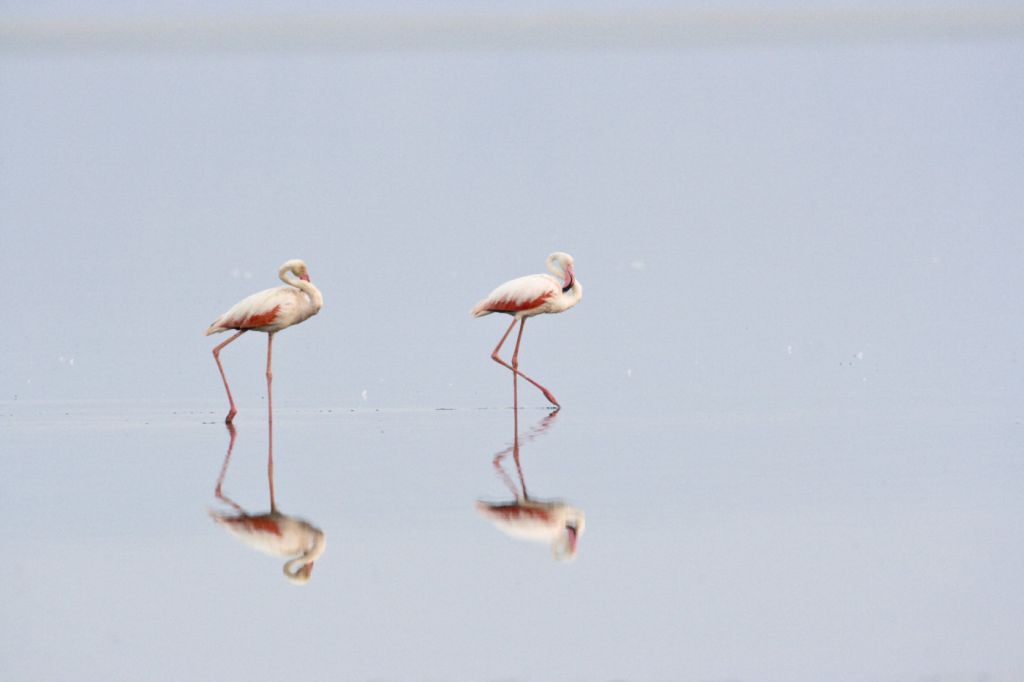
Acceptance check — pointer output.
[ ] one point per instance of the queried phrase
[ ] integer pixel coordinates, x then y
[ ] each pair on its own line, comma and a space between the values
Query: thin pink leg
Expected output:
270, 424
515, 424
515, 362
515, 456
515, 445
514, 448
224, 470
494, 355
515, 387
216, 356
504, 476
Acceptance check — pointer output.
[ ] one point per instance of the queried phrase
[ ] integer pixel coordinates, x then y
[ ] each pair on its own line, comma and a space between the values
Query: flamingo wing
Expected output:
514, 512
273, 533
523, 293
249, 524
526, 522
254, 312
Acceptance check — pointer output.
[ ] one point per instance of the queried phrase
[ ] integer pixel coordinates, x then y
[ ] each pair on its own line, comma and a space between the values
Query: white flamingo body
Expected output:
528, 296
554, 523
535, 294
279, 535
268, 311
525, 297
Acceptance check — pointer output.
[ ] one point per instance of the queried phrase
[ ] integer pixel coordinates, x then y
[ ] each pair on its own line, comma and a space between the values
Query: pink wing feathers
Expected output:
253, 312
514, 512
523, 293
249, 524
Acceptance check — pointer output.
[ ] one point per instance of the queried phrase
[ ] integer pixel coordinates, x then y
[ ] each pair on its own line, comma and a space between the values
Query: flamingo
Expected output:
268, 311
272, 533
549, 521
528, 296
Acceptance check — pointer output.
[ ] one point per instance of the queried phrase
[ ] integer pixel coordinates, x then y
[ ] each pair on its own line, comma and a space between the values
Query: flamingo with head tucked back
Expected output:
268, 311
528, 296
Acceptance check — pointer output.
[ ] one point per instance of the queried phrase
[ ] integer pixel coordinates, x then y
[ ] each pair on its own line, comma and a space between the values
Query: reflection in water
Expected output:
549, 521
273, 533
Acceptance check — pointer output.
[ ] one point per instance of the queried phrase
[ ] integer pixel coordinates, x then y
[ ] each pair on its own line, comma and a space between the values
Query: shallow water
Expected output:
716, 546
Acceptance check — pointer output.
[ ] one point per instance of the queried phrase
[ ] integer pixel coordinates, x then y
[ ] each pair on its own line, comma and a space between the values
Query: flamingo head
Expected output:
296, 267
561, 263
564, 547
299, 570
301, 575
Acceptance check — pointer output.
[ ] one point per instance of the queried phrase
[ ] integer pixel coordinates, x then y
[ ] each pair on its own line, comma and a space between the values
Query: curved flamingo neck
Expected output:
556, 267
308, 288
561, 269
293, 569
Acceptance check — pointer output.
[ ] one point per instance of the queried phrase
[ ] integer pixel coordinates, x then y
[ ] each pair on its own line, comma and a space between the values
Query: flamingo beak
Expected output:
569, 277
572, 539
308, 569
304, 277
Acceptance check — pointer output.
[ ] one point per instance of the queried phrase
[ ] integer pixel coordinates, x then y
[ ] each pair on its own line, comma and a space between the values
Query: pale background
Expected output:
792, 389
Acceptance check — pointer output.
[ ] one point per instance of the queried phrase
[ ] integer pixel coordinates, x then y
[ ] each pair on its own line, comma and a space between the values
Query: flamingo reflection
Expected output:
549, 521
272, 533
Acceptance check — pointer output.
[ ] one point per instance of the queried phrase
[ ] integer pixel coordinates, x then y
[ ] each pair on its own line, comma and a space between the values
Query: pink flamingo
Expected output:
528, 296
268, 311
272, 533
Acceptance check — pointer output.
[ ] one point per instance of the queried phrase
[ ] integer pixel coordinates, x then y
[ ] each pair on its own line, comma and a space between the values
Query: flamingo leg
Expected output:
515, 445
515, 382
515, 363
216, 356
270, 423
224, 470
520, 493
505, 453
494, 355
515, 386
513, 449
505, 477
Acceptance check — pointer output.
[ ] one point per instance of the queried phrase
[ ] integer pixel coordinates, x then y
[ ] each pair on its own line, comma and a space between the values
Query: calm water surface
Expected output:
716, 545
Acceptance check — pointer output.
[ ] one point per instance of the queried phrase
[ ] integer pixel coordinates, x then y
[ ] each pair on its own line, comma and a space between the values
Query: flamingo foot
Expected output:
231, 417
551, 399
